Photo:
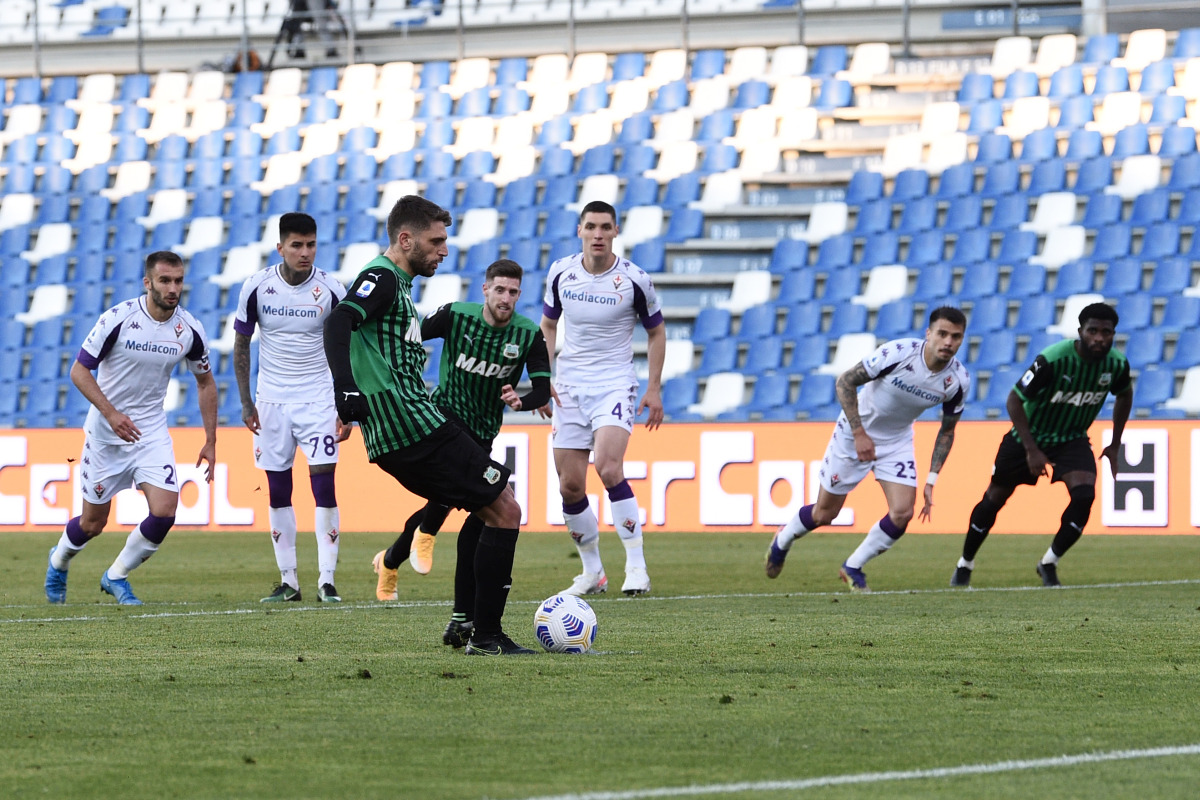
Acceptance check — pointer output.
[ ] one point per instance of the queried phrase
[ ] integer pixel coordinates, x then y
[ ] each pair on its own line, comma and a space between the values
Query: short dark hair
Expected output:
949, 313
1100, 311
296, 222
503, 268
598, 207
162, 257
415, 213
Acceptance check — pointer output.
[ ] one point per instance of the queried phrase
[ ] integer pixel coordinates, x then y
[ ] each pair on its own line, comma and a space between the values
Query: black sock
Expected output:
464, 567
493, 577
983, 517
435, 517
397, 554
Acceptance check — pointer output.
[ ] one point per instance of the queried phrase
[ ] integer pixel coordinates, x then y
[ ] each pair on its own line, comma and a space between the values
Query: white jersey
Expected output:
600, 312
291, 350
902, 388
134, 355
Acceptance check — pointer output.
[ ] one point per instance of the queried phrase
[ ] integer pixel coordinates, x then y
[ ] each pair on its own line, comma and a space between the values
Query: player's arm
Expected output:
1039, 375
656, 353
371, 294
241, 370
87, 385
206, 393
537, 365
436, 324
549, 328
1122, 407
941, 450
846, 390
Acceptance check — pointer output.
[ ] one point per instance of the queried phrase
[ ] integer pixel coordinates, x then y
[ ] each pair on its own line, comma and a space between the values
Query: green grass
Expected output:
720, 676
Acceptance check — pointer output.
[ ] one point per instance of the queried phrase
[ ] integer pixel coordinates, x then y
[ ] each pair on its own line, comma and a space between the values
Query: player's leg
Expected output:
274, 453
611, 443
328, 529
1008, 471
494, 557
76, 534
582, 524
1081, 486
840, 472
901, 501
143, 541
462, 619
415, 542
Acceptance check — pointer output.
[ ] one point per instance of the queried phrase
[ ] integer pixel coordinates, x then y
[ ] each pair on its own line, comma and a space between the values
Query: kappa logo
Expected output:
87, 459
270, 290
135, 325
83, 474
571, 276
491, 475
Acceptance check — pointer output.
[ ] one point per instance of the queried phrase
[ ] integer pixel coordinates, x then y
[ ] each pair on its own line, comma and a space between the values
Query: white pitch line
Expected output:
373, 606
881, 777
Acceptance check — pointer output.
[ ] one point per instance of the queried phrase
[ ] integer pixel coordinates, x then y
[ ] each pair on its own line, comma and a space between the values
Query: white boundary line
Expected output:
371, 606
880, 777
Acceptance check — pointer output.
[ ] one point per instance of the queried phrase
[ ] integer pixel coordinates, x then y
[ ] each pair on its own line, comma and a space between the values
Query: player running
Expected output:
289, 304
373, 345
900, 380
1051, 407
134, 348
600, 297
486, 347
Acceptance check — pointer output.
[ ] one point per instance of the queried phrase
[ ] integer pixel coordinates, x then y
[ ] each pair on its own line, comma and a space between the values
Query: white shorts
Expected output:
312, 427
583, 411
841, 471
109, 468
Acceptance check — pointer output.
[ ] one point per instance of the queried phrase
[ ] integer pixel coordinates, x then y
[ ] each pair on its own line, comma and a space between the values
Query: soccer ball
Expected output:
565, 624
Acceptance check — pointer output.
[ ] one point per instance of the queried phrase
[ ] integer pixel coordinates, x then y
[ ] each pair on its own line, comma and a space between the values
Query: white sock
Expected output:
793, 529
283, 536
1050, 557
136, 550
585, 532
64, 551
876, 543
629, 528
962, 562
329, 533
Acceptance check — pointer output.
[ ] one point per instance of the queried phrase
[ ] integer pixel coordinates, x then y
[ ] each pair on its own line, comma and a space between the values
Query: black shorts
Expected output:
448, 467
1011, 468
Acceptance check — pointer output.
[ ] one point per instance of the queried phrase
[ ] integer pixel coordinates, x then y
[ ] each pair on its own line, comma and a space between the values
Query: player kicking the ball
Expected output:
899, 381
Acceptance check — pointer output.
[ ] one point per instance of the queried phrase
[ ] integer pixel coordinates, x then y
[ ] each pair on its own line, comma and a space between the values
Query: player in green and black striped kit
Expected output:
1052, 406
487, 347
373, 345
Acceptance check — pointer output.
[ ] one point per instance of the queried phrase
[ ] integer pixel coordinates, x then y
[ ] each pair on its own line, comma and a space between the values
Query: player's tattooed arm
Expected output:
943, 442
241, 370
847, 392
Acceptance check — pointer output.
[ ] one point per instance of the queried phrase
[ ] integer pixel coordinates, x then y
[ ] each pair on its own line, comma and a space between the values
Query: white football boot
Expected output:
588, 583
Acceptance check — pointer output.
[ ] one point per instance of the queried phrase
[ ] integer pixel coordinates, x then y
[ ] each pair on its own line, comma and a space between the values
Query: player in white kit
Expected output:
900, 380
600, 297
134, 348
293, 406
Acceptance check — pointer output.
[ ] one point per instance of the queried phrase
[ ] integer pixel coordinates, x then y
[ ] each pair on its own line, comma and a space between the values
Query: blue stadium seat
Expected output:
988, 313
976, 87
283, 200
1083, 145
873, 217
627, 66
1039, 145
1001, 179
1157, 77
707, 63
1101, 210
519, 224
560, 191
636, 159
841, 285
1026, 279
640, 191
718, 157
788, 255
1036, 313
719, 356
981, 282
1017, 246
847, 318
650, 255
1161, 241
1150, 207
1170, 276
1112, 242
986, 116
521, 193
770, 394
1094, 175
476, 164
1154, 386
474, 103
964, 214
479, 194
1136, 309
1075, 112
711, 323
1074, 277
934, 282
670, 96
555, 131
1177, 141
973, 246
53, 208
1101, 48
752, 94
1047, 176
434, 105
895, 319
816, 396
1021, 83
1180, 313
828, 60
597, 160
927, 247
1187, 350
511, 71
834, 93
810, 350
765, 355
1144, 348
835, 252
757, 322
685, 223
1009, 211
909, 184
590, 98
527, 253
997, 349
511, 101
797, 286
879, 249
321, 199
1132, 140
864, 187
1000, 384
1066, 81
678, 393
561, 223
1166, 110
1110, 79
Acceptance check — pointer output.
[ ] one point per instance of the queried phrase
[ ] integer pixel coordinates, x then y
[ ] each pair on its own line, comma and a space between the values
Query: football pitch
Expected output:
718, 684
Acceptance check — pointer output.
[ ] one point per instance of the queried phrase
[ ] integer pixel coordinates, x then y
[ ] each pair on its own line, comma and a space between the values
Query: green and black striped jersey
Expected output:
1063, 392
478, 359
388, 359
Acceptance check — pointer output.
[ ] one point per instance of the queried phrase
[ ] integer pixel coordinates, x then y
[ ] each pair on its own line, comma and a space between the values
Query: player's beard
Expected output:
424, 262
161, 301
